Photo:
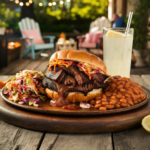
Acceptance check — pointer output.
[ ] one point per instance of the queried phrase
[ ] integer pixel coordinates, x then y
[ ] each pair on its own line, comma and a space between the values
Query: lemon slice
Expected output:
114, 34
146, 123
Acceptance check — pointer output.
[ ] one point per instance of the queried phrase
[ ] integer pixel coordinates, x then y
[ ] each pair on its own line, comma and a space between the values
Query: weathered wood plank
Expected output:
27, 140
19, 67
4, 71
48, 141
83, 142
4, 78
136, 138
146, 78
14, 138
33, 64
138, 79
22, 64
43, 65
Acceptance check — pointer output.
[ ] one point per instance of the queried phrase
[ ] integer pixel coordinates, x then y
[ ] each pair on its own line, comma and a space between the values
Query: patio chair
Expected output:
92, 40
32, 36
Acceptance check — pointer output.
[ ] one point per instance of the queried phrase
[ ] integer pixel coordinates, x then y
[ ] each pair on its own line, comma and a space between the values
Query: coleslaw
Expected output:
26, 88
90, 70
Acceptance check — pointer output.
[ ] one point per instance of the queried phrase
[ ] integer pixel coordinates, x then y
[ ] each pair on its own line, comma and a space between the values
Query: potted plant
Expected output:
3, 26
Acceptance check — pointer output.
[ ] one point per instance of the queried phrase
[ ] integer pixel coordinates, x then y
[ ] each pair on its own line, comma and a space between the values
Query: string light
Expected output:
27, 3
21, 3
30, 1
61, 2
49, 4
40, 4
17, 1
54, 3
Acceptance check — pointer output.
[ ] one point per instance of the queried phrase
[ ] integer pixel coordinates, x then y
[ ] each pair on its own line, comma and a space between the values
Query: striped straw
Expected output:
129, 22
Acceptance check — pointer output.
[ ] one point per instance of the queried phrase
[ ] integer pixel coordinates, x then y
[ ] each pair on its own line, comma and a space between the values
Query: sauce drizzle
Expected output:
60, 99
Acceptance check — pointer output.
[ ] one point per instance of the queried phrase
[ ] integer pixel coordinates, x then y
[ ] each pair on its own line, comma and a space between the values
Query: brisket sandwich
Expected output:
74, 76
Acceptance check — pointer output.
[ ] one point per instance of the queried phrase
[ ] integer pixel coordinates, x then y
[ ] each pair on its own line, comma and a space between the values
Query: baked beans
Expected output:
121, 92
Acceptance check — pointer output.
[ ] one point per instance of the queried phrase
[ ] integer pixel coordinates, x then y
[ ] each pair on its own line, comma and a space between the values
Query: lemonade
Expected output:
117, 52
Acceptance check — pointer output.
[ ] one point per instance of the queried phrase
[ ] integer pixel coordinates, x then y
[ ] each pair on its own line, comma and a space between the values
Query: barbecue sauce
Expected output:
71, 107
60, 100
2, 84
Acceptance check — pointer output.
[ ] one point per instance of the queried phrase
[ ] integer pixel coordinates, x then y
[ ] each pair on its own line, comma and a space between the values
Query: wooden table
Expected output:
15, 138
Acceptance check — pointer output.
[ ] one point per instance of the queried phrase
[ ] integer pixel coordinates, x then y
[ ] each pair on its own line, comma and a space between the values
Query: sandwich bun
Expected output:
79, 56
76, 96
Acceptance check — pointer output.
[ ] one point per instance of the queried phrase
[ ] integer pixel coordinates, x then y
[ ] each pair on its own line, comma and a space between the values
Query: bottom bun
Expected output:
76, 96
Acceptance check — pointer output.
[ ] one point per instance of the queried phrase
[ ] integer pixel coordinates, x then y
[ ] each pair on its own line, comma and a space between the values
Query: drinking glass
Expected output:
117, 51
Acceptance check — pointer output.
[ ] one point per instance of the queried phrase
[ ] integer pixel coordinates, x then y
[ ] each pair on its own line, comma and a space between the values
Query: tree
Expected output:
74, 9
73, 14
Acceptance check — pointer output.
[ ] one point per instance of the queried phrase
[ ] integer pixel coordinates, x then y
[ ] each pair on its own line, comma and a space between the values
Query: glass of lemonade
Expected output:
117, 50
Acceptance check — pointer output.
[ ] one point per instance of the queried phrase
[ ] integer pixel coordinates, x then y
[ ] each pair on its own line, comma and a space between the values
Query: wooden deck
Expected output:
40, 64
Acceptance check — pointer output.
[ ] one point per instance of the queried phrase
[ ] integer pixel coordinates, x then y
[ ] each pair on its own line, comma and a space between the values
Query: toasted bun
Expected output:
76, 96
79, 56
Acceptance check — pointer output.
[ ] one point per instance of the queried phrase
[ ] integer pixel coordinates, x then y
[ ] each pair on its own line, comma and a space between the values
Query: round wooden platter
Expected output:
73, 124
45, 108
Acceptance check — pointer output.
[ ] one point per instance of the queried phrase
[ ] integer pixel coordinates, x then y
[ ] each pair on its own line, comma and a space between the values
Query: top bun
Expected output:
79, 56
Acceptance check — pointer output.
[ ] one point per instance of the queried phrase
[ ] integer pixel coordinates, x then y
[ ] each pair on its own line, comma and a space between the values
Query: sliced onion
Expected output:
28, 99
74, 63
21, 103
85, 105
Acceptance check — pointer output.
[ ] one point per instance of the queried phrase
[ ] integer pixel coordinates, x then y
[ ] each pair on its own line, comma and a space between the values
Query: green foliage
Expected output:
75, 14
8, 18
140, 24
88, 9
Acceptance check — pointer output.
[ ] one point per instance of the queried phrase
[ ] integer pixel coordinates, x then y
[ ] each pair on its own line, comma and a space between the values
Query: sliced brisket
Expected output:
86, 87
80, 76
48, 83
56, 75
61, 77
99, 77
68, 80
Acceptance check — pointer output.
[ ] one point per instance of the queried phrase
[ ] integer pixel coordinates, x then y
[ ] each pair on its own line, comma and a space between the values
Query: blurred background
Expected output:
74, 24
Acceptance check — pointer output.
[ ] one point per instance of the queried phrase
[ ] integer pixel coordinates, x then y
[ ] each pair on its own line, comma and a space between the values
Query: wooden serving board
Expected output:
73, 124
45, 108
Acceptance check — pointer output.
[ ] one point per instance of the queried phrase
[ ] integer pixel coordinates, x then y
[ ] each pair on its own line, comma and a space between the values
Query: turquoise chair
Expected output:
30, 24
